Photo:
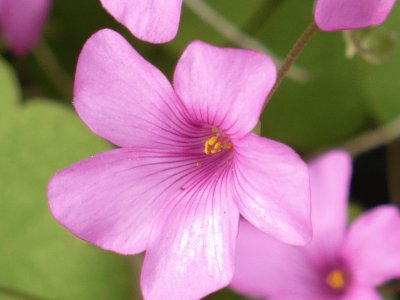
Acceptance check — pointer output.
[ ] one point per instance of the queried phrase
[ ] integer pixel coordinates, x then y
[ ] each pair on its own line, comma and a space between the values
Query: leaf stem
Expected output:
293, 55
368, 140
374, 138
262, 15
49, 63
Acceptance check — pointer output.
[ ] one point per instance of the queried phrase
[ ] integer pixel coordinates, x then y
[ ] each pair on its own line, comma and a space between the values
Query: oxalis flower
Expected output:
154, 21
22, 21
333, 15
188, 164
338, 263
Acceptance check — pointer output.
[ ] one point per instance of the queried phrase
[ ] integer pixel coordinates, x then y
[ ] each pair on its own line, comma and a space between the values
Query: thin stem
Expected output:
294, 54
231, 32
262, 15
372, 139
48, 62
18, 294
369, 140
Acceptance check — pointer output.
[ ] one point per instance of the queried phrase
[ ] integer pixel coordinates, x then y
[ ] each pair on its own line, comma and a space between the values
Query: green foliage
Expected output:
37, 255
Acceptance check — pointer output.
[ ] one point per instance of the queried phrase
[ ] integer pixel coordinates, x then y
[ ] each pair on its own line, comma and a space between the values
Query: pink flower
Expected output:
188, 164
22, 21
351, 14
154, 21
336, 264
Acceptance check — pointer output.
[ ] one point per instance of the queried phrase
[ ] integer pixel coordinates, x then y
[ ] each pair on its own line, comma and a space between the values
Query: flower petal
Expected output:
224, 87
351, 14
112, 199
272, 189
193, 253
330, 184
22, 21
123, 98
266, 267
372, 245
154, 21
361, 292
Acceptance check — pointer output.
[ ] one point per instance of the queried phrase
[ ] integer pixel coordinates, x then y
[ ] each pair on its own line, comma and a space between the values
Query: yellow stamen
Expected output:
336, 279
217, 143
207, 148
227, 145
217, 148
212, 140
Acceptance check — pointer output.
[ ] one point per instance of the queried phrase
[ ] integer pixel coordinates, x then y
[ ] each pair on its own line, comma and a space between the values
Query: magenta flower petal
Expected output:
154, 21
265, 266
330, 177
362, 293
22, 21
224, 87
128, 101
174, 190
351, 14
372, 245
272, 189
101, 198
193, 255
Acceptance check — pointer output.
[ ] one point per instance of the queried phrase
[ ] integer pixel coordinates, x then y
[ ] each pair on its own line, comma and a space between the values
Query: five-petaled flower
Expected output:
154, 21
188, 164
333, 15
336, 264
22, 21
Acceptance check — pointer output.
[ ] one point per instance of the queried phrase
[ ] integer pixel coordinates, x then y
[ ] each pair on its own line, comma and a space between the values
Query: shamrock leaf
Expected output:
37, 256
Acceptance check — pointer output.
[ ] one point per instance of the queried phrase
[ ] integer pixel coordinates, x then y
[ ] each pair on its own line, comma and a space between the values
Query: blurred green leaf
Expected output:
37, 255
9, 92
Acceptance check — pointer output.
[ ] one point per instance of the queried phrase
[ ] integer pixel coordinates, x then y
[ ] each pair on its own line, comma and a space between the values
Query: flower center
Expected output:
336, 279
217, 143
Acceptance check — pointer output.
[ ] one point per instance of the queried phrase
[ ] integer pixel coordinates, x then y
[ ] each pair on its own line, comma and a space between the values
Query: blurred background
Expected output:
329, 100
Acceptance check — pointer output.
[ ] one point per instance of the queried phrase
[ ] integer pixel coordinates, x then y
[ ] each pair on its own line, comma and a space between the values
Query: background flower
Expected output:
154, 21
351, 14
22, 21
336, 264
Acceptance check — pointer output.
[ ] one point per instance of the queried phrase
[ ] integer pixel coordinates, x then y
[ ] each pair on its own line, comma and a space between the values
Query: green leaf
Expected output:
9, 92
37, 255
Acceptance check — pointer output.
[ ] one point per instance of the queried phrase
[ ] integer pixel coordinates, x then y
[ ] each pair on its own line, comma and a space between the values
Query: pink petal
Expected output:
224, 87
351, 14
330, 183
193, 253
266, 267
22, 21
123, 98
362, 293
113, 199
372, 246
154, 21
272, 187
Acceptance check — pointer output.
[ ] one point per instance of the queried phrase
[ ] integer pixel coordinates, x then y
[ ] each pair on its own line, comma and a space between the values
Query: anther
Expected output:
217, 143
336, 279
